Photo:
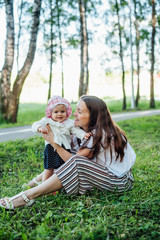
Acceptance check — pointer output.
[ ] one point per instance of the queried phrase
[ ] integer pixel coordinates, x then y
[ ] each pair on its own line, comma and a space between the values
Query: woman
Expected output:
104, 161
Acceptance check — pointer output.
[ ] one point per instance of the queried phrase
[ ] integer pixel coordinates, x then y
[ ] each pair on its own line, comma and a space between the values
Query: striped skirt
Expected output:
79, 174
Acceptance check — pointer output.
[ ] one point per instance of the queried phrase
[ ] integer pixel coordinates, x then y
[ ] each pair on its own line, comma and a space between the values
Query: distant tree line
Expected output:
132, 24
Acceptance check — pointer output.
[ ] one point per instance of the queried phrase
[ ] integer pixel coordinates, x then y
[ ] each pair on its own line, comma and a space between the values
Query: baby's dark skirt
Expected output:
51, 157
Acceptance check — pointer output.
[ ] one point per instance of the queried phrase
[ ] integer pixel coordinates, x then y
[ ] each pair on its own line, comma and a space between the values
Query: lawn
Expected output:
96, 215
31, 112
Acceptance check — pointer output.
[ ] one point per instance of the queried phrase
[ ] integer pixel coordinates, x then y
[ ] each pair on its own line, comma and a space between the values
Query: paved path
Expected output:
25, 132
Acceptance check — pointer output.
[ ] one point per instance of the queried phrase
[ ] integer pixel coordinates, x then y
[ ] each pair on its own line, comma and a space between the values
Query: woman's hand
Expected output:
48, 135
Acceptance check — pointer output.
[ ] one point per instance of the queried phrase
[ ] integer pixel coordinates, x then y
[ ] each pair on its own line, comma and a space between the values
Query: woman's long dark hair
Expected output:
105, 129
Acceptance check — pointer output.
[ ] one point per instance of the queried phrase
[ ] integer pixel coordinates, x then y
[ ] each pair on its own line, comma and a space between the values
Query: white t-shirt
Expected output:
115, 166
62, 131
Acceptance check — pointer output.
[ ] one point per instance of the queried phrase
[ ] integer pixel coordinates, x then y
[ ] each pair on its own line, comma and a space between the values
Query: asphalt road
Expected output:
25, 132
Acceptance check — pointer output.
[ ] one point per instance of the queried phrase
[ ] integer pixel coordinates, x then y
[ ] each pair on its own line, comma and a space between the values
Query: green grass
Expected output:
31, 112
96, 215
27, 114
116, 105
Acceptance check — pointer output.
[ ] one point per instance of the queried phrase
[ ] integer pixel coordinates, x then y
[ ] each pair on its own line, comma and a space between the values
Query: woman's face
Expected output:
82, 116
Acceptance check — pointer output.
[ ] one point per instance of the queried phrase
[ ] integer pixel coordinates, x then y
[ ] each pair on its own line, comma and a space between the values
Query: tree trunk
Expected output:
152, 102
131, 49
51, 49
5, 80
12, 109
19, 31
60, 45
121, 57
84, 74
137, 52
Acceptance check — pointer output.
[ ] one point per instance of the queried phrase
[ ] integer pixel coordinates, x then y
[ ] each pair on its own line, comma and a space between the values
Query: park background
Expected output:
96, 215
103, 42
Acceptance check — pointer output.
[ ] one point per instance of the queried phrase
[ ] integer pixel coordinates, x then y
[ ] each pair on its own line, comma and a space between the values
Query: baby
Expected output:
57, 112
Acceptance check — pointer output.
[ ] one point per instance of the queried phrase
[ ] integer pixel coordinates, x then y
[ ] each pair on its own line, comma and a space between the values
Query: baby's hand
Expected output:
87, 135
43, 130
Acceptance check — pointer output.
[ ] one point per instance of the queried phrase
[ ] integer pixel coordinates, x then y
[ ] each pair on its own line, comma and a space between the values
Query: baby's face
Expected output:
59, 113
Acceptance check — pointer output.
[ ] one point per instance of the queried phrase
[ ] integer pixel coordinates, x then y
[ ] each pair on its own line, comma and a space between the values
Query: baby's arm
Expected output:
40, 126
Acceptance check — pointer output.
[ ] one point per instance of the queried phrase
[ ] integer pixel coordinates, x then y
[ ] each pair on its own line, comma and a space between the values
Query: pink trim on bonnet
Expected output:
54, 101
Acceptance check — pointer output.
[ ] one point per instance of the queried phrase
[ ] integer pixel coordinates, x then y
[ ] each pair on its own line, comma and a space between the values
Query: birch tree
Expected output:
5, 82
51, 48
121, 56
84, 73
136, 24
59, 6
57, 38
152, 101
9, 98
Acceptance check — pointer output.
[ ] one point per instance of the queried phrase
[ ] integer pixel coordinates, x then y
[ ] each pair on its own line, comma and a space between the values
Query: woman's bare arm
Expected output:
49, 137
64, 154
85, 152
